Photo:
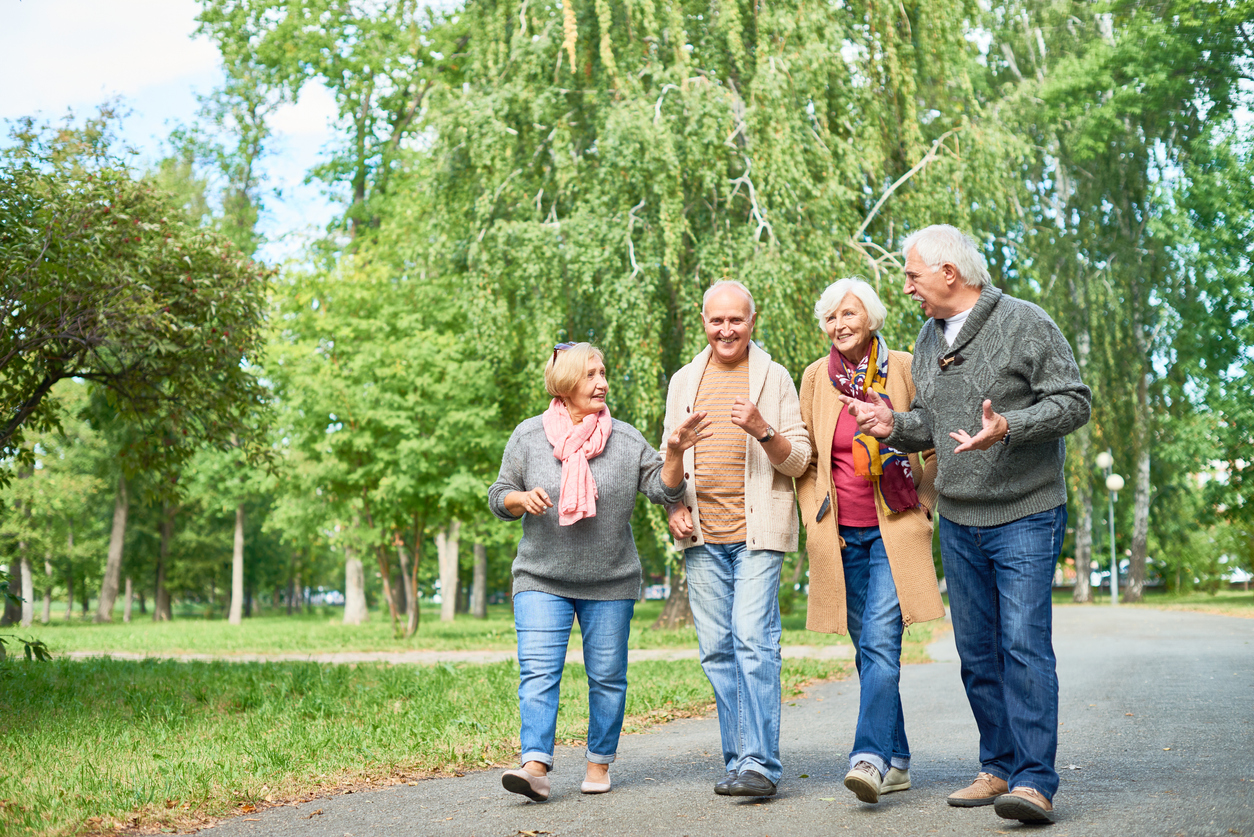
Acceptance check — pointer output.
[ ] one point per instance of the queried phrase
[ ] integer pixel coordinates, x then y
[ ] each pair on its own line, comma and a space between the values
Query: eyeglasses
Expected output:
561, 347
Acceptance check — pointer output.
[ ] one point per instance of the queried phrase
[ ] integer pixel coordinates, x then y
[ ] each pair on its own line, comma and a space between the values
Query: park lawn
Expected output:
100, 745
322, 631
1222, 602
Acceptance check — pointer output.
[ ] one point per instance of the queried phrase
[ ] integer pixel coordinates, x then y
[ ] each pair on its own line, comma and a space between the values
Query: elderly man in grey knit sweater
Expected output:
997, 367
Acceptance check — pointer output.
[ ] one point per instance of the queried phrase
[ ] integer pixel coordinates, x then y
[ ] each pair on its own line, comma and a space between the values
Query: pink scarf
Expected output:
575, 444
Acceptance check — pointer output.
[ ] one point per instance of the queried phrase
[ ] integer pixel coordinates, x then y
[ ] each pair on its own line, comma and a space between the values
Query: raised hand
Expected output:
536, 501
745, 415
692, 430
679, 520
874, 417
995, 427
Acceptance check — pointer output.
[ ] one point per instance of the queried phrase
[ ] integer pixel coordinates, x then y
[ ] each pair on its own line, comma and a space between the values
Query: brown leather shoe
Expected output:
1025, 805
983, 791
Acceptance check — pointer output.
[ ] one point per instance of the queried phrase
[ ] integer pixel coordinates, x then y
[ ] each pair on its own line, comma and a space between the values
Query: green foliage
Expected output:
33, 649
103, 278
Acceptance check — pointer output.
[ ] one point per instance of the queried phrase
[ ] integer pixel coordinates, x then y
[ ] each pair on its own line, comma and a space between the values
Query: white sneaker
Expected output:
864, 781
896, 780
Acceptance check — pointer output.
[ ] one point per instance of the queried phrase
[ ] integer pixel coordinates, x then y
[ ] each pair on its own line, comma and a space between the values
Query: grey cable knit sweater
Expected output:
594, 558
1012, 353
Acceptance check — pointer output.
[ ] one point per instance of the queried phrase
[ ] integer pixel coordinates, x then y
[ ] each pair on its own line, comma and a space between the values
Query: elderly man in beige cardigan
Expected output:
737, 520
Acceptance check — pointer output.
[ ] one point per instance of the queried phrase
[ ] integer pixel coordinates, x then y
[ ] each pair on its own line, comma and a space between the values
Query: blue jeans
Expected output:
999, 580
734, 593
543, 622
874, 618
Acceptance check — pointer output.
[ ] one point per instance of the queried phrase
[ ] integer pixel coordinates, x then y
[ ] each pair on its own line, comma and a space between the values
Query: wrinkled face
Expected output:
848, 327
927, 286
728, 324
588, 396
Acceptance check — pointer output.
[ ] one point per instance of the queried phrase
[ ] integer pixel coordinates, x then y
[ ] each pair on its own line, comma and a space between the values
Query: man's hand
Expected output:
535, 501
873, 416
995, 429
680, 522
745, 415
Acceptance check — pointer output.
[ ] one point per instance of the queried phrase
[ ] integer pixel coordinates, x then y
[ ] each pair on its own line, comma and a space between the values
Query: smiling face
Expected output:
932, 287
728, 325
849, 327
588, 395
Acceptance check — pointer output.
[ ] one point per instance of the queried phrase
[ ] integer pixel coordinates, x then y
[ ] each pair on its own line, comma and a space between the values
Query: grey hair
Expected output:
724, 283
856, 285
942, 244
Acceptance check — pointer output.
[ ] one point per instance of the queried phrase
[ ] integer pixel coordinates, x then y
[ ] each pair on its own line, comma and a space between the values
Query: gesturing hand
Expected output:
692, 430
680, 522
874, 417
995, 427
535, 501
745, 415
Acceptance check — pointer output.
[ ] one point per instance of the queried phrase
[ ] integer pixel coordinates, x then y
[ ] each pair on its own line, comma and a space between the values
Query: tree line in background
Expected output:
512, 174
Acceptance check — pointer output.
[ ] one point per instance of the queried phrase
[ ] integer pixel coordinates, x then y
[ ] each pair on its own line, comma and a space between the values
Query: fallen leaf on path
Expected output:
248, 808
1073, 767
827, 799
314, 814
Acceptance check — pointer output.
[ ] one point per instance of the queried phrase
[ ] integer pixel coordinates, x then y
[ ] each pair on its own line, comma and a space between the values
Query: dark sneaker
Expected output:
1025, 805
864, 781
722, 787
983, 791
751, 783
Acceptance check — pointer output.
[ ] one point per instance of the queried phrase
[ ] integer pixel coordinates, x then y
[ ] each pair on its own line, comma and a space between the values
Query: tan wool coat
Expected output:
907, 536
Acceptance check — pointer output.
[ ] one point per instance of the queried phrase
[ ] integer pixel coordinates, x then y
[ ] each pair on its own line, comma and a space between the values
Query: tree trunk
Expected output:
12, 609
47, 616
236, 613
1140, 527
402, 558
69, 574
355, 611
28, 590
127, 599
676, 613
479, 586
446, 544
113, 564
161, 611
385, 575
411, 583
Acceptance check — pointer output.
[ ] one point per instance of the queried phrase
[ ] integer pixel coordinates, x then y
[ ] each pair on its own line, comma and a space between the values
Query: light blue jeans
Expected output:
874, 617
1000, 585
543, 622
734, 593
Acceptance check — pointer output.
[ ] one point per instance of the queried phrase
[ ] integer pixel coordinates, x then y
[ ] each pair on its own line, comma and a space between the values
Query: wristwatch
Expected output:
770, 434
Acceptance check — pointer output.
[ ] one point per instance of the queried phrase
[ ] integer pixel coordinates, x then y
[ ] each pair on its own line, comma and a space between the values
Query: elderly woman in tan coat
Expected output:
866, 509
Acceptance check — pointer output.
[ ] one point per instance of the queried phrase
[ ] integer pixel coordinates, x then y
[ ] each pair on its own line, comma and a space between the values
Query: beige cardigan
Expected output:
770, 510
907, 536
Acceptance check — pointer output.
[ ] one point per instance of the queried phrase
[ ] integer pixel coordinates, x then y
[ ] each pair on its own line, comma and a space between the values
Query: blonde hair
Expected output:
835, 293
567, 367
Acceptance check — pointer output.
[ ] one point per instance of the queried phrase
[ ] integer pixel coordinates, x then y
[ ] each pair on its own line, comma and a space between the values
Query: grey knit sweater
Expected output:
1011, 352
593, 558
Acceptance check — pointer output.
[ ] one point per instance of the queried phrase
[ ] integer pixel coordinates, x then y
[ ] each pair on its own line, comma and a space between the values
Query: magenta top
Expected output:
855, 496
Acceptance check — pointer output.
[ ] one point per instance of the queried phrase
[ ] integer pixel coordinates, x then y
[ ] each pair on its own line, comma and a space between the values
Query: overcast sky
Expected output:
75, 54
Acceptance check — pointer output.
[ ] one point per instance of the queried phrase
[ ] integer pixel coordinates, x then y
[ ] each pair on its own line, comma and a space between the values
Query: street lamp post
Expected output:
1114, 484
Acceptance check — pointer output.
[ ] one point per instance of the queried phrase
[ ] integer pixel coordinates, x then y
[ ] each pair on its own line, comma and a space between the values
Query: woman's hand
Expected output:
692, 430
679, 521
535, 501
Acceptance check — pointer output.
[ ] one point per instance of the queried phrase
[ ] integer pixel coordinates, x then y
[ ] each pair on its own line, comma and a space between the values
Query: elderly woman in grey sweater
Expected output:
578, 560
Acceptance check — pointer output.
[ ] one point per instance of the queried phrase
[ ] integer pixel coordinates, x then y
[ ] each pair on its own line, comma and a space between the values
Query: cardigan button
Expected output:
687, 409
686, 475
690, 508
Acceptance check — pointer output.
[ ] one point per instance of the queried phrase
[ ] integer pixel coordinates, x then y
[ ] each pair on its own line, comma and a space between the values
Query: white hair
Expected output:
728, 283
856, 285
942, 244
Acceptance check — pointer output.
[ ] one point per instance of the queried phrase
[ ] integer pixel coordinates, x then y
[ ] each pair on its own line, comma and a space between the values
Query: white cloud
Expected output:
314, 113
56, 54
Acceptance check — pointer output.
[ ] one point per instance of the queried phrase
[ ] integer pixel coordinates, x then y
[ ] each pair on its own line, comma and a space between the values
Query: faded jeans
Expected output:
999, 580
874, 618
734, 593
543, 622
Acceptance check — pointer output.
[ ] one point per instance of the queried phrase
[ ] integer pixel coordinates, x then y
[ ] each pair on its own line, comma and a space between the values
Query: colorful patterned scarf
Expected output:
872, 459
575, 444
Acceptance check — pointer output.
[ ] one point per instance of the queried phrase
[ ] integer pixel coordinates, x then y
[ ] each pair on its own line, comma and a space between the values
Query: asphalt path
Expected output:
1156, 738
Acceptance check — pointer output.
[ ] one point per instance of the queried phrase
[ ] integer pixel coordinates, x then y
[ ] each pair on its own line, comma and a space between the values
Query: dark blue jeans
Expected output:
999, 580
874, 617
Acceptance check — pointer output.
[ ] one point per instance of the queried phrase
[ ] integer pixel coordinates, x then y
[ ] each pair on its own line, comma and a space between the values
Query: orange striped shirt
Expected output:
719, 462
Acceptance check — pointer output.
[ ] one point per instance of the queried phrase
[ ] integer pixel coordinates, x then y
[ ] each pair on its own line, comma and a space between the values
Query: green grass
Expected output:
323, 632
1223, 602
104, 744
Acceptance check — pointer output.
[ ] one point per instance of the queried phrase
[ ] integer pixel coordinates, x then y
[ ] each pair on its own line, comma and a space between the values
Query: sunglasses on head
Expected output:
561, 347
